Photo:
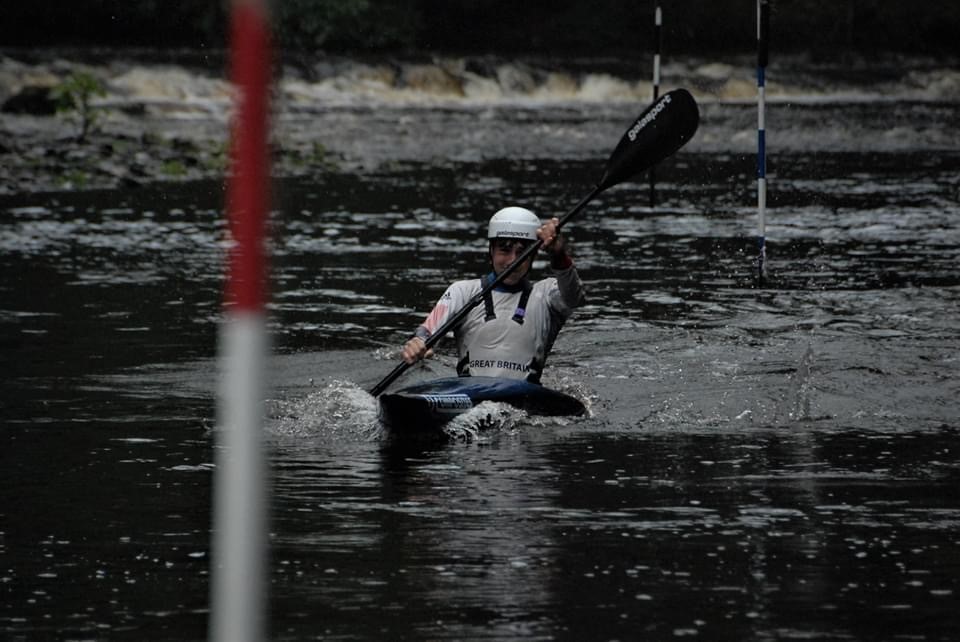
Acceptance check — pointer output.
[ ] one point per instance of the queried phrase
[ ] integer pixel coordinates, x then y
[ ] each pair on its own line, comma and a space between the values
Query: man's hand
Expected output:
549, 233
414, 350
554, 244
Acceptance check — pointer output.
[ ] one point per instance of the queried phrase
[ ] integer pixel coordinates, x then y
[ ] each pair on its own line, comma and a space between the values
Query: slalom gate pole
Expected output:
763, 39
238, 560
657, 39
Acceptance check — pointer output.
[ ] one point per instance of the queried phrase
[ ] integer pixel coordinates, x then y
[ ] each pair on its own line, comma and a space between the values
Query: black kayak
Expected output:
425, 407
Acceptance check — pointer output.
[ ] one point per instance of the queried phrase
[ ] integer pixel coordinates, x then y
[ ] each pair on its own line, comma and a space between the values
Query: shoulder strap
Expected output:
521, 310
522, 304
487, 303
463, 366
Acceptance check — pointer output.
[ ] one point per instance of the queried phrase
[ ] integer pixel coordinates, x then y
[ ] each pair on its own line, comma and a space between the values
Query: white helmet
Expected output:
514, 223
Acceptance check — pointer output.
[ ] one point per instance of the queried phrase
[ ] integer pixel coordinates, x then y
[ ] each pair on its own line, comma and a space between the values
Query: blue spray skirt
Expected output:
424, 408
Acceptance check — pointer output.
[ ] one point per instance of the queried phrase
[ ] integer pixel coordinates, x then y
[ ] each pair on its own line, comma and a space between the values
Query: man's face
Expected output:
503, 252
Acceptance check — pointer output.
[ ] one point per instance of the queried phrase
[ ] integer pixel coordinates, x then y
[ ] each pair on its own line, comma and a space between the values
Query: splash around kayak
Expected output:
423, 409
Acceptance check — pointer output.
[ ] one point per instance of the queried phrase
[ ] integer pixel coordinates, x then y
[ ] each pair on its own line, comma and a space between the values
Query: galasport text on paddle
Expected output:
663, 128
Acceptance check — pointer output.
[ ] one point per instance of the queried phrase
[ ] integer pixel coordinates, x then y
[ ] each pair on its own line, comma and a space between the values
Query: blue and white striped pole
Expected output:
763, 38
657, 22
657, 39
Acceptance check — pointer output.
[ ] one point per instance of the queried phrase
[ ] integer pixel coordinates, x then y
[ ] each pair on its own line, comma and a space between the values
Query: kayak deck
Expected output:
424, 408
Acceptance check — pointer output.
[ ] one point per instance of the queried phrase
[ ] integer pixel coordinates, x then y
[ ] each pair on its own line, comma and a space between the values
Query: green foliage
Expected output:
603, 28
338, 25
174, 168
216, 156
74, 95
75, 179
150, 23
321, 157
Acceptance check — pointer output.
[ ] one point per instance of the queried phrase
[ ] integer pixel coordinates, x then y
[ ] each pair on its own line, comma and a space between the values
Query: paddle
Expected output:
663, 128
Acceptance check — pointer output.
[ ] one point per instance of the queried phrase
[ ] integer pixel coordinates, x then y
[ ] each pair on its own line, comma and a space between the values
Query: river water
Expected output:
757, 463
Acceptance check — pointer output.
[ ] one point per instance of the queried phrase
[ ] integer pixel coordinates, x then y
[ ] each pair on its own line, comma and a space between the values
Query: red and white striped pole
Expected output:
239, 547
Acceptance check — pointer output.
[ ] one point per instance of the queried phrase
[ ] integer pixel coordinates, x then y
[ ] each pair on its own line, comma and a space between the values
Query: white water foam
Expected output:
190, 93
340, 410
483, 420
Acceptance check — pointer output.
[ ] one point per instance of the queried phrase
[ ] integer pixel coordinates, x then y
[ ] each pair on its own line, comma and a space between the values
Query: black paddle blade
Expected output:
663, 128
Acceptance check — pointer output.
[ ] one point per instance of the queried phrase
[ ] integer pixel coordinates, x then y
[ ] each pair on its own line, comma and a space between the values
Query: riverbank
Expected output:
41, 154
167, 119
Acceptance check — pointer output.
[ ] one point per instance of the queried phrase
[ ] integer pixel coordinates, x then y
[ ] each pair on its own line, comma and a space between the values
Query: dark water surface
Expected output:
758, 463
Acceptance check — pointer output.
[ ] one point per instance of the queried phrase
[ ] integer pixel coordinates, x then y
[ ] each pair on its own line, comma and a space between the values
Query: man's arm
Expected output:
416, 347
568, 280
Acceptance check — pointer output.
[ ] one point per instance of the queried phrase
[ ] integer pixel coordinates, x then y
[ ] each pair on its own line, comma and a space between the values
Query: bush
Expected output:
73, 96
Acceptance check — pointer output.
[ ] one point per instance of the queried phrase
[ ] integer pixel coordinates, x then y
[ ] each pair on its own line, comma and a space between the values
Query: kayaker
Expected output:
512, 333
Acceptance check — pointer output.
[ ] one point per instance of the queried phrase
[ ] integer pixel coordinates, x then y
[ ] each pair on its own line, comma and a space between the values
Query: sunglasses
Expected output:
509, 245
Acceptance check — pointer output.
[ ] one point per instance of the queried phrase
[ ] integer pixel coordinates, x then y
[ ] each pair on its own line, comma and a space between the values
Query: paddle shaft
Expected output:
477, 299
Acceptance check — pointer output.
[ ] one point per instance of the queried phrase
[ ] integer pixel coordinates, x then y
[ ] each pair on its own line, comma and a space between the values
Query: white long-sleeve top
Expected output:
502, 346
